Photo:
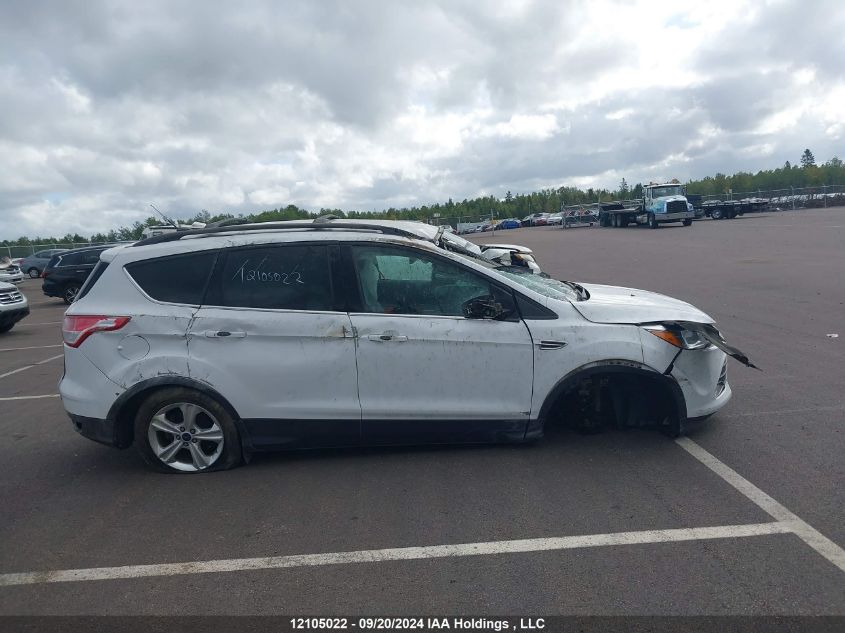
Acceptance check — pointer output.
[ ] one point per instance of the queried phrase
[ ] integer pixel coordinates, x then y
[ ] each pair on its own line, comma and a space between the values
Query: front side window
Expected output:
174, 279
402, 281
277, 277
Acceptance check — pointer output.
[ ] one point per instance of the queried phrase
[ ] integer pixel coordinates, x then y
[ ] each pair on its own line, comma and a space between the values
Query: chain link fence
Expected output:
790, 198
15, 252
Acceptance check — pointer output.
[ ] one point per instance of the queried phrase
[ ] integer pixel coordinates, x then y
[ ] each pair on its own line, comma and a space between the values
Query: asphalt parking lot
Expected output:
743, 517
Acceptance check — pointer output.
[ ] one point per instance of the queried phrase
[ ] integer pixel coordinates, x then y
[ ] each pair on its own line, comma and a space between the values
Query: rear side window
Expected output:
175, 279
98, 271
81, 258
277, 277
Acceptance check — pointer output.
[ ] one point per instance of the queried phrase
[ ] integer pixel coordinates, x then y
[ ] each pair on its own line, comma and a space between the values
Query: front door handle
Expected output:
387, 338
224, 334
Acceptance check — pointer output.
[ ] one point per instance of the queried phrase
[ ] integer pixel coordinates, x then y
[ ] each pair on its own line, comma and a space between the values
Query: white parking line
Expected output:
399, 553
49, 395
788, 411
803, 530
20, 369
44, 323
17, 349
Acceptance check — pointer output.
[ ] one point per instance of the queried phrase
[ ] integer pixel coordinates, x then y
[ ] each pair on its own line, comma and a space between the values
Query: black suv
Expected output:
66, 272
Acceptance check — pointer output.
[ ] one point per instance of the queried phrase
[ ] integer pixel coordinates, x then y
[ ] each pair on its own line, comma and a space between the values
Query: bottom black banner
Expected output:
426, 624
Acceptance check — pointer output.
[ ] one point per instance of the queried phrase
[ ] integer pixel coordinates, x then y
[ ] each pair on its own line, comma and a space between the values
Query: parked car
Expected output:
9, 272
508, 223
555, 218
535, 219
66, 273
35, 264
201, 351
13, 306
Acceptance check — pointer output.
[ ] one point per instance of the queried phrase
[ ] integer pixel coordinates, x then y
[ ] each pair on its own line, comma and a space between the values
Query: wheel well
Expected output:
125, 408
615, 396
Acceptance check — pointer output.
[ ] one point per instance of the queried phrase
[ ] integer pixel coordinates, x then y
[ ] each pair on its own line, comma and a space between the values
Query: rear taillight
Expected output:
43, 273
76, 329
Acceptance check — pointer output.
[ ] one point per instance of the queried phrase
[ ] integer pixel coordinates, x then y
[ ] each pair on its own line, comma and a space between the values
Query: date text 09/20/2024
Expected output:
421, 623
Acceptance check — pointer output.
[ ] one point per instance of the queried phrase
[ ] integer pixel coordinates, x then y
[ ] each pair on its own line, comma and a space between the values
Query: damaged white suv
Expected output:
201, 347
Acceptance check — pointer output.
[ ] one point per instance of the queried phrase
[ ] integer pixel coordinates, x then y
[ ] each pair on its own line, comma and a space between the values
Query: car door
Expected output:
426, 371
270, 337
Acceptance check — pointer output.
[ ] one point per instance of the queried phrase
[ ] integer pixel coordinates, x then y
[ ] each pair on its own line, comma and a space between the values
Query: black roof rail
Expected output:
324, 225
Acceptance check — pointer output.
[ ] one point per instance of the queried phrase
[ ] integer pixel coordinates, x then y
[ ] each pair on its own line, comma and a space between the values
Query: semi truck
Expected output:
661, 203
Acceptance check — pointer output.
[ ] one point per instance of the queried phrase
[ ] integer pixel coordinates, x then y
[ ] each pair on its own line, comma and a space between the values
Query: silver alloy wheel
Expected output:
185, 436
33, 273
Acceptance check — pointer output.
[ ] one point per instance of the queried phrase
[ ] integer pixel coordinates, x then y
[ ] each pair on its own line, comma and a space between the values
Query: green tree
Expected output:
807, 159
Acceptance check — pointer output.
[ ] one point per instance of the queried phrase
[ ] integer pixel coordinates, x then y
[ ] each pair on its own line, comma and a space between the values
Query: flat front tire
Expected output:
179, 430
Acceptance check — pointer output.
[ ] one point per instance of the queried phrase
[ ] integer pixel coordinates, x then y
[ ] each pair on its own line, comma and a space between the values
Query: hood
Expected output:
614, 304
7, 287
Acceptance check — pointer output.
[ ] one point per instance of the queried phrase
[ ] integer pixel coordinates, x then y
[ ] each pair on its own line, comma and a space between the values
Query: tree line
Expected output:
804, 174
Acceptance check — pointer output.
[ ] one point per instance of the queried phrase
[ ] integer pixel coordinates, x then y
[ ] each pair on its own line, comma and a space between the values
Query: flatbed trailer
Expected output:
730, 209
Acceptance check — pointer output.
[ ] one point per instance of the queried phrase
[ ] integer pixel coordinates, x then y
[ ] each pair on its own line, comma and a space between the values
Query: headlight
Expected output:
677, 336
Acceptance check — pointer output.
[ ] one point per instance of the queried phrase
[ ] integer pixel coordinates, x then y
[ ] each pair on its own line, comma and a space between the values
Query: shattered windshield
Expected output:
546, 286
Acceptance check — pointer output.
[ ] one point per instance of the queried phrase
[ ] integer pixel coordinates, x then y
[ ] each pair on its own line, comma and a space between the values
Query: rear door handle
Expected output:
387, 338
224, 334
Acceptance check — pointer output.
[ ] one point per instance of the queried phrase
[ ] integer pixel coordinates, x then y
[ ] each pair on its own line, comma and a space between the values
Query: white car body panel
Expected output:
304, 370
585, 343
430, 374
613, 304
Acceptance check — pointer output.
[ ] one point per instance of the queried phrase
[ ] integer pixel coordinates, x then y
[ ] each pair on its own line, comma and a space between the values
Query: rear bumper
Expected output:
102, 431
51, 288
9, 317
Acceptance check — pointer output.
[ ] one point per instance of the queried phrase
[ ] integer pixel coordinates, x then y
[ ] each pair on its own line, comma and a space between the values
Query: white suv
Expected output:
201, 347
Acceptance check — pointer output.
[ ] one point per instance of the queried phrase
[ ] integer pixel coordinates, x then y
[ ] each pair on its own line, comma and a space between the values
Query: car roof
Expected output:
148, 249
397, 227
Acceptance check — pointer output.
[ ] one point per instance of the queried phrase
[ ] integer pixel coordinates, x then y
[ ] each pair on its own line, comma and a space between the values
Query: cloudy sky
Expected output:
237, 107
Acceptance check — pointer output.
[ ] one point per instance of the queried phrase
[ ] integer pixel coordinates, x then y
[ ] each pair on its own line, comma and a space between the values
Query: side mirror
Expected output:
483, 308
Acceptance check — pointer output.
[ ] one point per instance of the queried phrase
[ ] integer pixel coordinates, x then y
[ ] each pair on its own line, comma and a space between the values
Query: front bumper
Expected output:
8, 317
674, 217
702, 376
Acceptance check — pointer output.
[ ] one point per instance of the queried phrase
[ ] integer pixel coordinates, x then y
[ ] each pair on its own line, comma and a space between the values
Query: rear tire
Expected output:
716, 214
687, 222
33, 273
179, 430
652, 222
69, 293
